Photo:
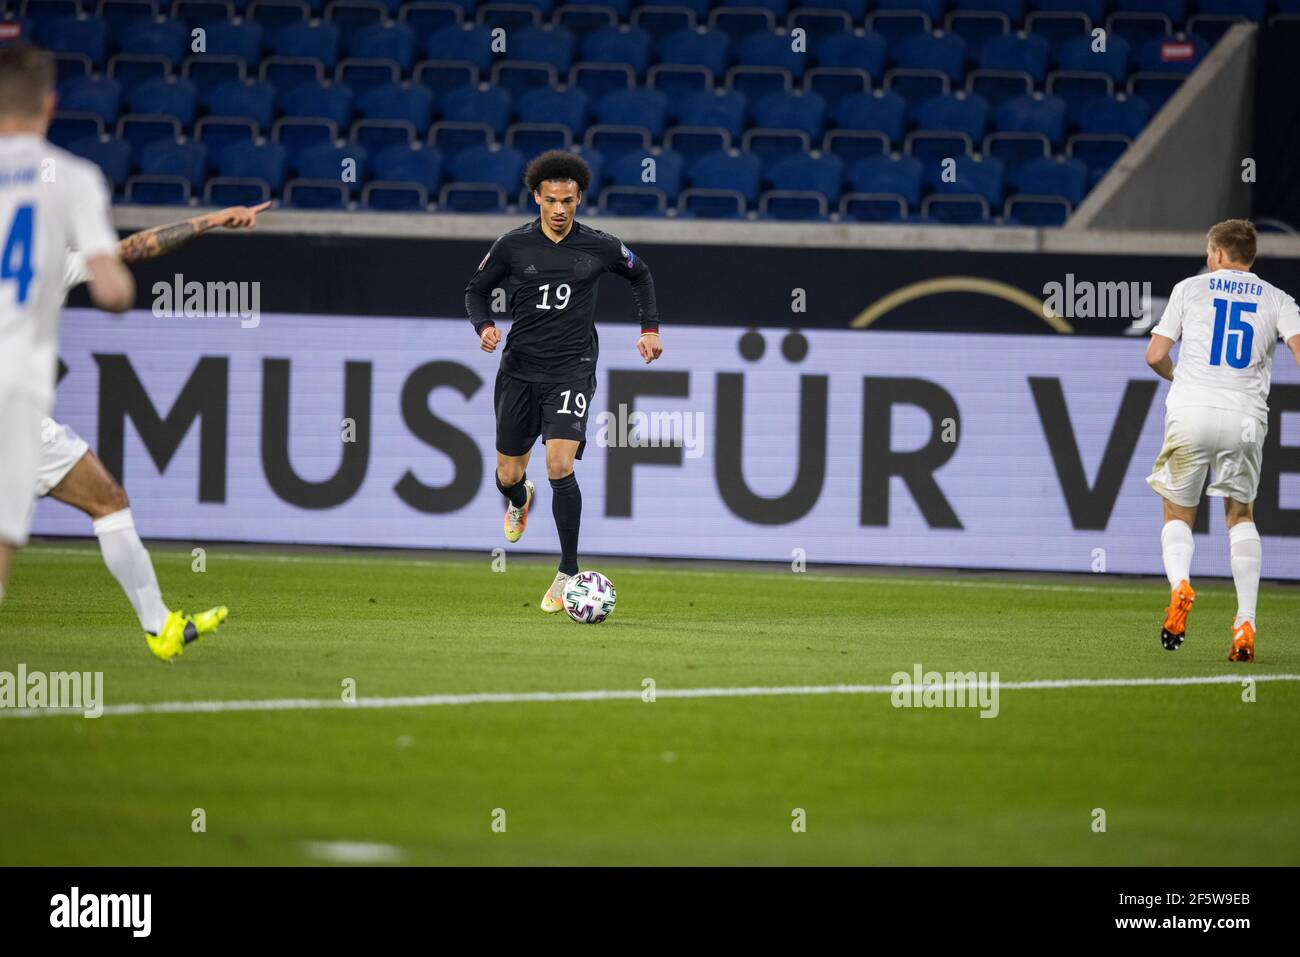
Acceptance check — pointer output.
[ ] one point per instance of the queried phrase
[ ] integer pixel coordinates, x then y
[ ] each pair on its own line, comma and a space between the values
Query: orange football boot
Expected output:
1174, 630
1243, 643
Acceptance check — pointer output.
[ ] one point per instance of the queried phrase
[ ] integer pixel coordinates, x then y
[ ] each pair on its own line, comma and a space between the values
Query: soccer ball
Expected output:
589, 598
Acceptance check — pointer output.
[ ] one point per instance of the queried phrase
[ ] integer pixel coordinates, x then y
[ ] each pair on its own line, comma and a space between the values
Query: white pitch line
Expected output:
616, 694
865, 579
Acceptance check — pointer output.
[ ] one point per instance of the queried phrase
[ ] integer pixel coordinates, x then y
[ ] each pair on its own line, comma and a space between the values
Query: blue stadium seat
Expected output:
1037, 211
678, 81
533, 139
756, 82
962, 210
1033, 114
822, 174
850, 146
711, 204
961, 111
392, 101
298, 134
508, 16
793, 205
219, 132
469, 42
327, 101
422, 166
739, 22
1028, 53
659, 20
384, 196
976, 28
424, 17
518, 77
375, 136
818, 23
141, 131
113, 157
1097, 151
69, 66
582, 18
770, 147
318, 194
167, 38
1175, 10
265, 161
132, 69
179, 97
446, 76
1154, 88
1077, 54
362, 75
932, 147
1122, 114
389, 41
118, 13
778, 8
856, 9
710, 48
619, 45
503, 167
209, 71
243, 40
740, 173
833, 83
451, 137
916, 86
614, 141
469, 104
70, 35
792, 111
931, 8
1055, 177
1137, 28
633, 201
1014, 150
598, 79
274, 15
971, 177
723, 108
329, 163
692, 142
353, 15
319, 41
668, 170
567, 107
98, 95
151, 190
897, 25
472, 198
873, 208
223, 191
646, 108
255, 101
878, 110
67, 128
998, 86
199, 13
553, 45
944, 52
885, 174
287, 73
771, 50
1078, 89
1094, 10
852, 51
1058, 27
1014, 9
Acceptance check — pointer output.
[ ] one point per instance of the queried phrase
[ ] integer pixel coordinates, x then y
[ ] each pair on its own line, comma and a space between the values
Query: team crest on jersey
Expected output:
629, 258
582, 267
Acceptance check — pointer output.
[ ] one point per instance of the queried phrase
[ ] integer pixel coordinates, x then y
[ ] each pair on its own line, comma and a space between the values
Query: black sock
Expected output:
517, 494
566, 506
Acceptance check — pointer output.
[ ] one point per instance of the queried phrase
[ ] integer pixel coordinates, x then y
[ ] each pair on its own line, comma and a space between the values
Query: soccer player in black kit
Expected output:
550, 269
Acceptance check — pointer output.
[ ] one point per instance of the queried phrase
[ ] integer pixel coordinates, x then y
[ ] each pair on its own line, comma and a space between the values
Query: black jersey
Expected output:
551, 291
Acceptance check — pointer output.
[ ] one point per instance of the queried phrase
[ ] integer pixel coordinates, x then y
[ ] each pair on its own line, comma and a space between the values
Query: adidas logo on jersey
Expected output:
530, 270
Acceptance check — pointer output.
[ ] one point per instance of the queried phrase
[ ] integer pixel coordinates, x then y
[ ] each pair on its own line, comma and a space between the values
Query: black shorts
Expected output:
552, 410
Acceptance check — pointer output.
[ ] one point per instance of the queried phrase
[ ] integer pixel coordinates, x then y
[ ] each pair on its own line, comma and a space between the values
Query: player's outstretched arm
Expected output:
111, 286
1158, 356
636, 272
1294, 345
161, 240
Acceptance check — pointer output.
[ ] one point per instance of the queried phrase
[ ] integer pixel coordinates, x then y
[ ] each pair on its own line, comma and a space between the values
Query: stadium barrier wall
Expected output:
826, 446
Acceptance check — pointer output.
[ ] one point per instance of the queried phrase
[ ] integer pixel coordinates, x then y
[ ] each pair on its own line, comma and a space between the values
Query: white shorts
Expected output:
1199, 438
61, 449
20, 443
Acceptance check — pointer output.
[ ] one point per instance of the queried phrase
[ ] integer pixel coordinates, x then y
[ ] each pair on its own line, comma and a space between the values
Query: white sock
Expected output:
1177, 544
1247, 557
126, 558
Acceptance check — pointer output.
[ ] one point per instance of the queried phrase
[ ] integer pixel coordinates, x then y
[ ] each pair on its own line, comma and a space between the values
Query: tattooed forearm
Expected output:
160, 240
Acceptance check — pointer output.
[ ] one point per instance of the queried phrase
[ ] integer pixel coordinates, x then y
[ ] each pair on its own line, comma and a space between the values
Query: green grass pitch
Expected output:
1188, 774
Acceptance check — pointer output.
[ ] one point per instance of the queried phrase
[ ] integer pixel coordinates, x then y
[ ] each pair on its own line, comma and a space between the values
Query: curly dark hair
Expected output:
557, 164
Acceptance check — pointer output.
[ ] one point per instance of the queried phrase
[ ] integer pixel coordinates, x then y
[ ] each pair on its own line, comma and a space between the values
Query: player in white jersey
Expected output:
70, 472
50, 200
1229, 321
